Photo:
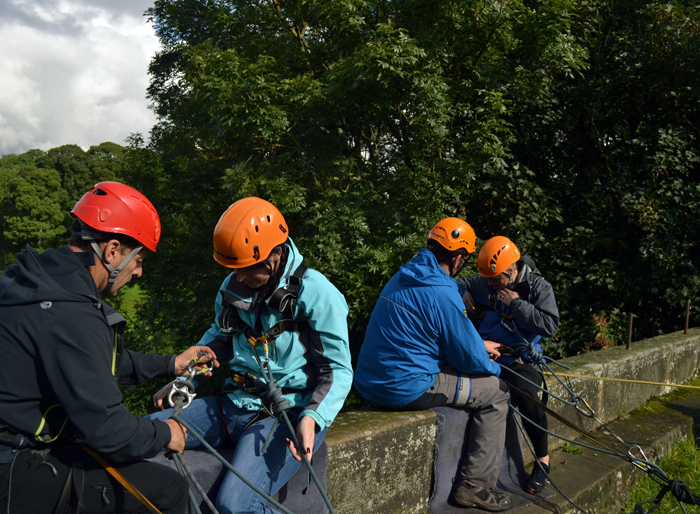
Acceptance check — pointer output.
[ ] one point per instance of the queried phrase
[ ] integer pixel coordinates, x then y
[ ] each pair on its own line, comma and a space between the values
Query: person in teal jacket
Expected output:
269, 292
421, 351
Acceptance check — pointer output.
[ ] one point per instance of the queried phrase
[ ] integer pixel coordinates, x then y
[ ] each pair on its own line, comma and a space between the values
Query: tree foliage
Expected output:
38, 189
364, 122
570, 127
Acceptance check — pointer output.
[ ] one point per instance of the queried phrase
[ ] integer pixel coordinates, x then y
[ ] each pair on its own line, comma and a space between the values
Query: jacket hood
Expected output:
526, 266
424, 270
28, 280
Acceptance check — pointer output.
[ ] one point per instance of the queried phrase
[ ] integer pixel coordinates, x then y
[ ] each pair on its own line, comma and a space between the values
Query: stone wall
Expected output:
382, 462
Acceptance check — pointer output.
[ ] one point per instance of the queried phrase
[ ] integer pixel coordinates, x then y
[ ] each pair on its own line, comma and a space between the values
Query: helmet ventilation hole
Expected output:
256, 228
246, 241
268, 218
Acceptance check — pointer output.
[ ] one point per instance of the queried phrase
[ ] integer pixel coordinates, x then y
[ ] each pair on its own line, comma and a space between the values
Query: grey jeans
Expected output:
487, 399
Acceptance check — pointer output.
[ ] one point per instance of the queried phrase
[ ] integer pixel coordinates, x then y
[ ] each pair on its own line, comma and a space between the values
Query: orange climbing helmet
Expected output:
453, 234
116, 208
247, 232
496, 255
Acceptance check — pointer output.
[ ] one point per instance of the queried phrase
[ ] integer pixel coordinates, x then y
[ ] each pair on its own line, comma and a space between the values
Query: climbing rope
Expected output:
181, 397
678, 488
278, 407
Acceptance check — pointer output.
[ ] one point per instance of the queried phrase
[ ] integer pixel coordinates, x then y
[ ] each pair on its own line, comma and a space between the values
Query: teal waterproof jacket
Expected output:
313, 366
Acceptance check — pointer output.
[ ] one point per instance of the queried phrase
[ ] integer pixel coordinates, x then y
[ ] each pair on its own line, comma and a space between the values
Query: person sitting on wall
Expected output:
309, 359
521, 308
422, 351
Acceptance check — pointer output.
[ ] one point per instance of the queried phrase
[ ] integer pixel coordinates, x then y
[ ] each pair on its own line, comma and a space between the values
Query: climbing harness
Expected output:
677, 487
182, 397
275, 404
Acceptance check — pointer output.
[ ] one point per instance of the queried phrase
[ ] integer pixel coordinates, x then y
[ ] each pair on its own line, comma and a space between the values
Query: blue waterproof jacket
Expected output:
314, 363
417, 328
534, 314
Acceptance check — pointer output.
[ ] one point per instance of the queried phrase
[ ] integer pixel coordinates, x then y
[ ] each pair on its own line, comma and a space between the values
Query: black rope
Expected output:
184, 470
178, 464
188, 473
230, 467
537, 462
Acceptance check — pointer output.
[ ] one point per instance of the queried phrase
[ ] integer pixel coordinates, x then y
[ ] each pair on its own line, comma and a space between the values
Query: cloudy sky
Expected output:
73, 71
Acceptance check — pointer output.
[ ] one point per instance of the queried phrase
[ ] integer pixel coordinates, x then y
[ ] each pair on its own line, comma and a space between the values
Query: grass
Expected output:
570, 448
681, 462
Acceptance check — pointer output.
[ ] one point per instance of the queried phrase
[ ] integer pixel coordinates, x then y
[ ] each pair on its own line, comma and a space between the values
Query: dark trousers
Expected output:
38, 480
513, 374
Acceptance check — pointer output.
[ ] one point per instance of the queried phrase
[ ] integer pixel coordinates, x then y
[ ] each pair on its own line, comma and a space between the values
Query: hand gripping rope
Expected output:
277, 405
181, 397
678, 488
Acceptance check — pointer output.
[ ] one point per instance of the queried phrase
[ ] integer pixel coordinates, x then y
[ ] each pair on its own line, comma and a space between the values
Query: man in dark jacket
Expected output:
60, 404
421, 351
521, 309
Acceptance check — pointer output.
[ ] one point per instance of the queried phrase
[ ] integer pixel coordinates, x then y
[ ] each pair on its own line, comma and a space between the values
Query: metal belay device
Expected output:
182, 394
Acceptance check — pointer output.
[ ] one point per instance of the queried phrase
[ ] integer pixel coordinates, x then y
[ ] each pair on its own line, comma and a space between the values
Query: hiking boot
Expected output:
535, 484
486, 498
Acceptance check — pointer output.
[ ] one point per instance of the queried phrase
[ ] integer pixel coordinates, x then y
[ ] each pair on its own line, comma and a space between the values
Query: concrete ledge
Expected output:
600, 483
670, 358
382, 462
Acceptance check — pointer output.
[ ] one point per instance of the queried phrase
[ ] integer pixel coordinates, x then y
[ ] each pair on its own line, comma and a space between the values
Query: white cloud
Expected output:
73, 72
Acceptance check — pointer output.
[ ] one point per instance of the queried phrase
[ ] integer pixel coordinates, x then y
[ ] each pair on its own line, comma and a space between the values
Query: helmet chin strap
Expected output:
113, 272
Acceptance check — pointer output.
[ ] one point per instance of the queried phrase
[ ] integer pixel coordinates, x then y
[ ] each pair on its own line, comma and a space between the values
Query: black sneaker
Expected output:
486, 498
535, 484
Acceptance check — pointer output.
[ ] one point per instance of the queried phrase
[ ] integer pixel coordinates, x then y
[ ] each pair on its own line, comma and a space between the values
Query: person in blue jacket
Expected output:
422, 351
521, 309
309, 359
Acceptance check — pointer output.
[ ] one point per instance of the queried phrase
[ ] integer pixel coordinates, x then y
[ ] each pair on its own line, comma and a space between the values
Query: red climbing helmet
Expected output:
119, 209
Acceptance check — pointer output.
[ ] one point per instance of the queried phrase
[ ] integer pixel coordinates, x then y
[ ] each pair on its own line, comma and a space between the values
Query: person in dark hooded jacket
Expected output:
422, 351
59, 392
521, 309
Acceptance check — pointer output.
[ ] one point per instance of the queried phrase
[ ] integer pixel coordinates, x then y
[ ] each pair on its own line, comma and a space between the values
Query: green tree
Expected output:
80, 170
28, 209
618, 148
35, 210
364, 122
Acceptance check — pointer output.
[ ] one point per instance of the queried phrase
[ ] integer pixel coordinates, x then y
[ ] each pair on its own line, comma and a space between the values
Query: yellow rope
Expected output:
623, 380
